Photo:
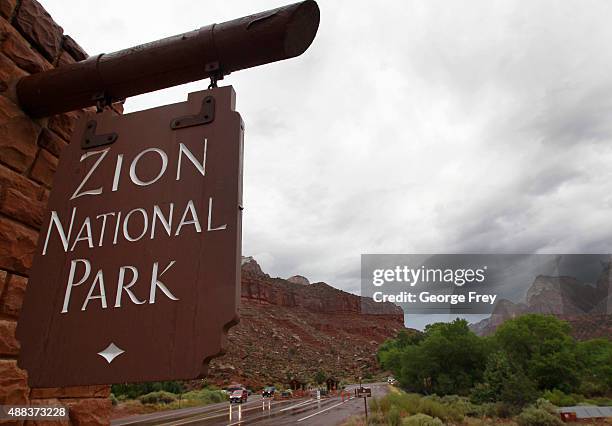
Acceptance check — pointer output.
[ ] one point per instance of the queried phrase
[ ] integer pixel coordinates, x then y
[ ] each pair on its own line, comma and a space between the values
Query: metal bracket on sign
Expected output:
216, 74
102, 100
91, 140
205, 116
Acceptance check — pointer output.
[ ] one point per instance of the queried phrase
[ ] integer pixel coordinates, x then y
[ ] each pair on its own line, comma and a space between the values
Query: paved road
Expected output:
332, 412
167, 416
305, 411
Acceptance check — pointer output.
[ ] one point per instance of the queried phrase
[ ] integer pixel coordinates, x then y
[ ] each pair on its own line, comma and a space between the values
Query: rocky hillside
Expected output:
293, 329
587, 307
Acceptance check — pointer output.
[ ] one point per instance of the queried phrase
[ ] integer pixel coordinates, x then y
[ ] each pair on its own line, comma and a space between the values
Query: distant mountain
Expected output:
293, 329
586, 306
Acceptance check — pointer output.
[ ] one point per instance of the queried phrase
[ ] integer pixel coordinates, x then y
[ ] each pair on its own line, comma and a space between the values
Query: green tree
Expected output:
542, 347
595, 363
526, 356
447, 358
504, 382
389, 353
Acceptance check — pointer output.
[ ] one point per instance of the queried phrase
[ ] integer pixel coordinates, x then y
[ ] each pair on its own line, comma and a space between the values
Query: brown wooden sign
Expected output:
137, 272
364, 392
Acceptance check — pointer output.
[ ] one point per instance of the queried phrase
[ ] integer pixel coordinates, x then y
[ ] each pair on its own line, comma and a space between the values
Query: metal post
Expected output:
365, 404
264, 402
212, 51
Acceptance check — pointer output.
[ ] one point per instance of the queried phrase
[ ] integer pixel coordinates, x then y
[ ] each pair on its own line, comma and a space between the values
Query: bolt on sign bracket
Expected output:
205, 116
91, 140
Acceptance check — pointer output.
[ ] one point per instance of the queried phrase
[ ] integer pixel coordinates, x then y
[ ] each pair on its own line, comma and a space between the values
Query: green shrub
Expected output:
461, 404
113, 399
471, 421
432, 407
488, 409
407, 403
159, 397
602, 402
376, 418
205, 396
355, 421
493, 410
393, 417
483, 393
374, 404
503, 410
449, 408
532, 416
421, 420
561, 399
134, 390
544, 404
592, 388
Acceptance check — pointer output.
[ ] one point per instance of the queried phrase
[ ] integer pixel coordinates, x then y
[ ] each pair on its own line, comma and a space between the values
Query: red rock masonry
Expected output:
30, 42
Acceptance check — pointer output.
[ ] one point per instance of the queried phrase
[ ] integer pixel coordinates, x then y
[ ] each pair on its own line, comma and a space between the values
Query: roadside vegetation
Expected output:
521, 374
159, 396
402, 408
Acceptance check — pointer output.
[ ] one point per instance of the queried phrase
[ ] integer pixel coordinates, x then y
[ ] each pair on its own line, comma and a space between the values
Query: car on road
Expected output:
268, 392
239, 396
230, 389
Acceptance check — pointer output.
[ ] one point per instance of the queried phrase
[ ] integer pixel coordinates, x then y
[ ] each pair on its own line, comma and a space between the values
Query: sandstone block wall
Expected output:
30, 42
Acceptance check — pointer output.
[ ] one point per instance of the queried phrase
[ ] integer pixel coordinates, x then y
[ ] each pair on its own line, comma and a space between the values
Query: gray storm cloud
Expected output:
407, 127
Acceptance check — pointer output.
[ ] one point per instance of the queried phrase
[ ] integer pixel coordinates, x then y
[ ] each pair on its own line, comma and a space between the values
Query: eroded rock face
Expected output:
290, 329
316, 297
561, 296
249, 264
298, 279
585, 306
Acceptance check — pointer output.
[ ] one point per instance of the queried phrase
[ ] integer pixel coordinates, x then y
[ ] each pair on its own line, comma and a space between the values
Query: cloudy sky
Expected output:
409, 127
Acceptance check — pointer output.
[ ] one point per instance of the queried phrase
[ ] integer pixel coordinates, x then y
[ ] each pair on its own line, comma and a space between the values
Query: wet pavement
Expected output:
307, 411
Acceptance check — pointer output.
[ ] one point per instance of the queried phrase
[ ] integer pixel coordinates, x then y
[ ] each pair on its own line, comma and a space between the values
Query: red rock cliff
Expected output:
292, 330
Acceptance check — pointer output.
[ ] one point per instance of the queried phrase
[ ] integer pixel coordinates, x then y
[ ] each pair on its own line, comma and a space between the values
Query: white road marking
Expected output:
207, 416
204, 410
326, 409
224, 413
297, 405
